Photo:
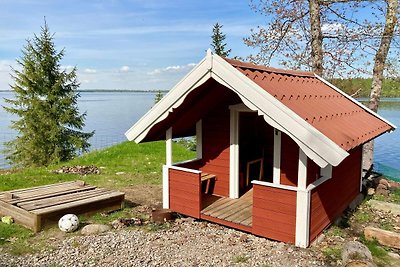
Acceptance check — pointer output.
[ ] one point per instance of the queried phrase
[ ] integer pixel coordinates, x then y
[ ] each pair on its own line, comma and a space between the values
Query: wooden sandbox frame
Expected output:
31, 207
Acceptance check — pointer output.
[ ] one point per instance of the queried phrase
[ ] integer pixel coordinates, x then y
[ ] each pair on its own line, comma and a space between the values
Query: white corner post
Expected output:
234, 154
303, 204
168, 154
277, 157
199, 139
165, 194
168, 163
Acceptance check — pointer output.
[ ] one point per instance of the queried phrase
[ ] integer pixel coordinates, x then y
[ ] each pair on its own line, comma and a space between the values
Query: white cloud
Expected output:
124, 69
89, 70
169, 69
332, 28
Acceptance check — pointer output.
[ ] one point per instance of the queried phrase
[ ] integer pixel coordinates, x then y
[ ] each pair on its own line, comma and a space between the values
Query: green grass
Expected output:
240, 259
332, 252
141, 164
362, 216
335, 231
378, 252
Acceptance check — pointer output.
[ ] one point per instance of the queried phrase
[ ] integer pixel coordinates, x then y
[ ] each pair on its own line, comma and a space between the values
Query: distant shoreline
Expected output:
108, 91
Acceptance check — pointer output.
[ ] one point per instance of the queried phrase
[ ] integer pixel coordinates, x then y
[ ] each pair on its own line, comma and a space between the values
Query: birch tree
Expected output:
333, 38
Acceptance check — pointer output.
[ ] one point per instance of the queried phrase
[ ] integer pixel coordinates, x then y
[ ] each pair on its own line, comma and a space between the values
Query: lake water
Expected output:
110, 114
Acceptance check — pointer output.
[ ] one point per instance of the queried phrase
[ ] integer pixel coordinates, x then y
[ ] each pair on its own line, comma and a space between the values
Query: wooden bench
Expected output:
32, 206
206, 177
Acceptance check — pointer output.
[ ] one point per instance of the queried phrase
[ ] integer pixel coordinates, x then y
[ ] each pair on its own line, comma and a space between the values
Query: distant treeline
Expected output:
391, 87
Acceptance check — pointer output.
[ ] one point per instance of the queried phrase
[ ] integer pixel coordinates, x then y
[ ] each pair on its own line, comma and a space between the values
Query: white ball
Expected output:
68, 223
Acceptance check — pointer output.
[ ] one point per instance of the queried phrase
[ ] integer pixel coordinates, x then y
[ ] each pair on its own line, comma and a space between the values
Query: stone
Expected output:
120, 173
386, 238
394, 255
394, 185
385, 206
385, 183
371, 191
93, 229
243, 238
356, 254
381, 190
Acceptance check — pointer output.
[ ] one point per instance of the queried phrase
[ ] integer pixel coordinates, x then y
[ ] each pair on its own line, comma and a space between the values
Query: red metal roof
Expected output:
333, 114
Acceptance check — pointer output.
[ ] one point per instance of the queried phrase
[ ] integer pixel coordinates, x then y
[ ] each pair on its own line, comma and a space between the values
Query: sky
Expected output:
125, 44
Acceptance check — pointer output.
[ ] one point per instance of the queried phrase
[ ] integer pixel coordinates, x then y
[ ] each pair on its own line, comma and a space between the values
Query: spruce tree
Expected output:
218, 39
49, 125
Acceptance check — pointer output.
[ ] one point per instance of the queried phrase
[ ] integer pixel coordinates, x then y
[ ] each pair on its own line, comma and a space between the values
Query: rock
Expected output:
385, 183
81, 170
385, 206
371, 191
120, 173
7, 220
394, 185
355, 254
93, 229
243, 238
357, 201
381, 190
394, 255
386, 238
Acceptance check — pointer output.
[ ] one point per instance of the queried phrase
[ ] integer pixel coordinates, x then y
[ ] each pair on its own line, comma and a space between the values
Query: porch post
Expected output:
303, 204
277, 157
165, 186
168, 155
234, 155
199, 139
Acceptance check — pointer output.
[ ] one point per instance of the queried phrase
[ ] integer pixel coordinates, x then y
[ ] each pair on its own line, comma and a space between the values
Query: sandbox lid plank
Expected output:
18, 201
111, 195
40, 190
56, 200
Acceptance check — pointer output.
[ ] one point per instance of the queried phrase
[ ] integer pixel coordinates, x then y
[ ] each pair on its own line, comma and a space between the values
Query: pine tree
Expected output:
49, 127
218, 39
158, 97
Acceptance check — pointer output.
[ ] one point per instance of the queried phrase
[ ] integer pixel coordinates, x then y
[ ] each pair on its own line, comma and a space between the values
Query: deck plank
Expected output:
237, 211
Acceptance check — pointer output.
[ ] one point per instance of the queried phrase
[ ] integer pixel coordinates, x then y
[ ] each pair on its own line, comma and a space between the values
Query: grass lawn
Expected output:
137, 164
140, 164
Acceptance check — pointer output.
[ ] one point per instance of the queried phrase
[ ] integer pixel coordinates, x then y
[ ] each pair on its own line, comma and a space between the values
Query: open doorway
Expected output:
256, 141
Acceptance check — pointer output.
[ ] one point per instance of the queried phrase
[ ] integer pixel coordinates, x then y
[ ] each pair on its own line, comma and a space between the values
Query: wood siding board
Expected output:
331, 198
272, 218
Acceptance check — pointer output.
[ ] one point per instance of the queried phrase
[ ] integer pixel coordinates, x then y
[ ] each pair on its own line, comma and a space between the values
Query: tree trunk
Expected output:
316, 37
379, 67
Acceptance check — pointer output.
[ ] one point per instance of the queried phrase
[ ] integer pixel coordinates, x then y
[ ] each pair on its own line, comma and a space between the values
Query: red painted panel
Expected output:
216, 136
289, 161
184, 192
313, 171
331, 198
274, 218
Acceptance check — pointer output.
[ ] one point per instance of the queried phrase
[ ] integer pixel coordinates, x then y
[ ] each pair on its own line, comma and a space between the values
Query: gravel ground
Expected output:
184, 244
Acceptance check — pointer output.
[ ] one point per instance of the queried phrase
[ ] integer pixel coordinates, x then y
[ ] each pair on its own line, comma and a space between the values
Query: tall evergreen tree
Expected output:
218, 38
49, 127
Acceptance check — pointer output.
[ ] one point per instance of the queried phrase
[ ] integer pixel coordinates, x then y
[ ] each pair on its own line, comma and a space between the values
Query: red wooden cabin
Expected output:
278, 152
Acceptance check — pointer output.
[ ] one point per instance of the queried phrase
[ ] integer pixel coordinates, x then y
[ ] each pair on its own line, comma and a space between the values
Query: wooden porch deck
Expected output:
238, 211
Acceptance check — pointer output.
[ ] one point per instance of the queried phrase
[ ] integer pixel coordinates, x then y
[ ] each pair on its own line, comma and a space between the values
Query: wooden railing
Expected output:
185, 191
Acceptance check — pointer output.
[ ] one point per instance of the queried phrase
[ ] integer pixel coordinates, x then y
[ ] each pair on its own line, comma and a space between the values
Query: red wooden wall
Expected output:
184, 192
274, 213
289, 161
332, 197
216, 141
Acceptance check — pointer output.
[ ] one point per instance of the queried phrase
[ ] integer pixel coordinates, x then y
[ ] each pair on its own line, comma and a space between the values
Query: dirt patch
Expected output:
149, 195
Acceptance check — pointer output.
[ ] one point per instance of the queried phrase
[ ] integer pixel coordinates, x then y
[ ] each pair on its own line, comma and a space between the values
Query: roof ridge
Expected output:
248, 65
